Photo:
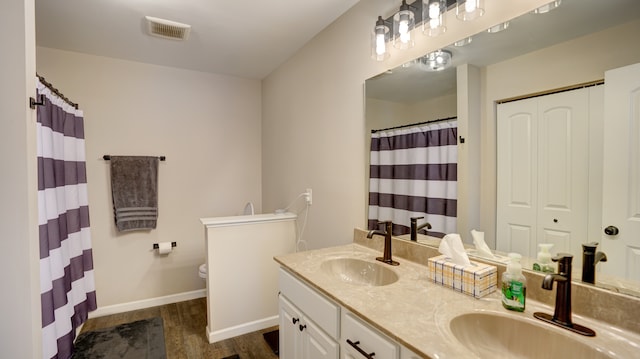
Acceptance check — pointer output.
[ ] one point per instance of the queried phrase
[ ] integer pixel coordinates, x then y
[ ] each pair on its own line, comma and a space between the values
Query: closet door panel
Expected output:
517, 173
563, 171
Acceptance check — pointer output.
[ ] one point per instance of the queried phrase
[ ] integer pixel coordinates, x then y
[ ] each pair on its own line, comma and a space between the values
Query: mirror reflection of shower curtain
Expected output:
66, 262
413, 173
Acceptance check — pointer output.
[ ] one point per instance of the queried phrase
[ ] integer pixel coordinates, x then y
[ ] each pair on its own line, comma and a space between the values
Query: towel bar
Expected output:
108, 157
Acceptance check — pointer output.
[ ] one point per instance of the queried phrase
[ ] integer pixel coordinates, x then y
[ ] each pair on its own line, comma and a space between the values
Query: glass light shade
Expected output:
463, 42
467, 10
433, 12
380, 37
497, 28
437, 60
547, 7
403, 23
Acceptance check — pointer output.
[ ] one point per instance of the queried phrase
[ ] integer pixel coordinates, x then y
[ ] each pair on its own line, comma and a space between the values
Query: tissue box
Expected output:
477, 279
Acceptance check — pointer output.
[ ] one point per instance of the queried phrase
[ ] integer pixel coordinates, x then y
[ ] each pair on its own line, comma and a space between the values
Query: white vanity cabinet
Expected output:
313, 326
309, 322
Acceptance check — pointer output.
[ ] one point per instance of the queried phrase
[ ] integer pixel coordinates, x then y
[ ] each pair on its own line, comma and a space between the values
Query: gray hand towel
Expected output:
134, 188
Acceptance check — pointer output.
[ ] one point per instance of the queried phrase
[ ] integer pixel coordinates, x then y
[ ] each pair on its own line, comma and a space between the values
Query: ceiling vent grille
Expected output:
167, 29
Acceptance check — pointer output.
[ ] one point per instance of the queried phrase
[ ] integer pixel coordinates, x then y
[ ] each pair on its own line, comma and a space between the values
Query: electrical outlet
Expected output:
308, 196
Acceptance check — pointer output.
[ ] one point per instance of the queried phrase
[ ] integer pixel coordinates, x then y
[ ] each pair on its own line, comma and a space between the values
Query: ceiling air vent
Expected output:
167, 29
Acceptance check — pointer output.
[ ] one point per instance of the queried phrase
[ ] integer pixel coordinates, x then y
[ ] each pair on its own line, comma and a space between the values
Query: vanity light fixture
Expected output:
547, 7
497, 28
433, 12
467, 10
403, 23
437, 60
379, 39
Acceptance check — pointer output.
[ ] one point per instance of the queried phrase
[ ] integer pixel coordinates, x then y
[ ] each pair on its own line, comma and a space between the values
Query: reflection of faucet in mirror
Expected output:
386, 255
415, 228
562, 313
589, 260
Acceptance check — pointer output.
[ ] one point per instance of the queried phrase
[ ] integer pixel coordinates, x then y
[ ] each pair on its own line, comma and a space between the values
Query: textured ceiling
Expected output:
240, 38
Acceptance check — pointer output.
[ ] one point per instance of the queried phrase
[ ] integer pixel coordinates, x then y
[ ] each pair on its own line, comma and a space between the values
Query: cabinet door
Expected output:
290, 339
316, 344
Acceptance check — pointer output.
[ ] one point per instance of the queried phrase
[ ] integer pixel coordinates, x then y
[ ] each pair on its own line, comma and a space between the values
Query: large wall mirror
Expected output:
575, 43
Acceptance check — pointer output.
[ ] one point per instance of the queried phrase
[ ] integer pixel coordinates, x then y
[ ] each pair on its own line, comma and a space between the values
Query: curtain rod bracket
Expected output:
461, 139
33, 103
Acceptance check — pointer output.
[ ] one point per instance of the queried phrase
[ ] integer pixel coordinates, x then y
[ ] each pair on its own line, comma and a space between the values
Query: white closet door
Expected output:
543, 162
563, 172
621, 172
517, 176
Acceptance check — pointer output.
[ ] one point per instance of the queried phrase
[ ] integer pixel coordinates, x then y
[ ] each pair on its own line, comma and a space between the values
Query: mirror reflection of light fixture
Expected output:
379, 39
403, 23
463, 42
437, 60
433, 17
467, 10
497, 28
547, 7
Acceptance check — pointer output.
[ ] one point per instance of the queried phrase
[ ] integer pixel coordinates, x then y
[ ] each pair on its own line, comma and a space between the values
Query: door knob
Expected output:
611, 230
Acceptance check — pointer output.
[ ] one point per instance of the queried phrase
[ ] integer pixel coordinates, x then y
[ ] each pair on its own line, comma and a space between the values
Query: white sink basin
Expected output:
491, 335
358, 271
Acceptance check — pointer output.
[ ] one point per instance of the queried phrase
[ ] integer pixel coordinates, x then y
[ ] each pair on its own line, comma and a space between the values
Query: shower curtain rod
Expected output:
415, 124
55, 91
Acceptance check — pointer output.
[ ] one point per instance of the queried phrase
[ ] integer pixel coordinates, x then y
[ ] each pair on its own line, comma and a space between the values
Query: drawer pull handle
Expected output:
356, 347
295, 320
302, 327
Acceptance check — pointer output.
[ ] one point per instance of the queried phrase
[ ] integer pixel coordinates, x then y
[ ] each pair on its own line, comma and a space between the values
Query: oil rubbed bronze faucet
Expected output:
589, 260
415, 228
386, 255
562, 313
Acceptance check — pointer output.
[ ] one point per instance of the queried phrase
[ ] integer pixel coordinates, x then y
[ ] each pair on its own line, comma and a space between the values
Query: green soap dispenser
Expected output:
514, 285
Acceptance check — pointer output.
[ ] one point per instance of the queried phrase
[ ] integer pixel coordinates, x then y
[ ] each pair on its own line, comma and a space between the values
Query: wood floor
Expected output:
184, 332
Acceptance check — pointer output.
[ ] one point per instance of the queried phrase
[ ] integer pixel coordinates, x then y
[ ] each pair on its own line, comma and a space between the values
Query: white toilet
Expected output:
248, 211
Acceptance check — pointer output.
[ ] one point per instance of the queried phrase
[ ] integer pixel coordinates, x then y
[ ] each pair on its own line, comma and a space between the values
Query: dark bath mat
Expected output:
143, 339
272, 339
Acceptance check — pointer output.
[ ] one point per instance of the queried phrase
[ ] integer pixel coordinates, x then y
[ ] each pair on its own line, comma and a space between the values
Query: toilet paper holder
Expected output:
173, 245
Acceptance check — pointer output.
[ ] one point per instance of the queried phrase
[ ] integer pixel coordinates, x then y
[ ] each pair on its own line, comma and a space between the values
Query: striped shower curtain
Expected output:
413, 173
67, 288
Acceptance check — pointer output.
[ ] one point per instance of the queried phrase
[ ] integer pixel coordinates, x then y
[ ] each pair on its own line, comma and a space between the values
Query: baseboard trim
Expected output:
241, 329
147, 303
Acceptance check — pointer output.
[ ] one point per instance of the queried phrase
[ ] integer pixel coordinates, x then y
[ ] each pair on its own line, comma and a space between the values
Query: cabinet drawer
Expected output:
319, 309
369, 340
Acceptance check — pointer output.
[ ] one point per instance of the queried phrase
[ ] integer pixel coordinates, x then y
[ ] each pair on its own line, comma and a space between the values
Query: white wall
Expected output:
208, 127
313, 115
19, 260
581, 60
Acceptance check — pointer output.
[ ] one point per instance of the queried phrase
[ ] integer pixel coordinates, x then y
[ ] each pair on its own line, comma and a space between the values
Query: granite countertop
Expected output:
416, 312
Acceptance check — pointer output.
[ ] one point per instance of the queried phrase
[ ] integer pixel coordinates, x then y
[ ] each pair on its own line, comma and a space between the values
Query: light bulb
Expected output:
470, 6
434, 11
380, 44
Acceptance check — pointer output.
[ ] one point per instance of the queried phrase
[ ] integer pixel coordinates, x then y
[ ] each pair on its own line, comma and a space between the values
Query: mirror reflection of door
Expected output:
543, 171
621, 175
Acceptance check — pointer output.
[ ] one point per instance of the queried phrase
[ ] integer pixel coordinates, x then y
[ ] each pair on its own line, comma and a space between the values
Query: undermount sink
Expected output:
358, 271
494, 335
